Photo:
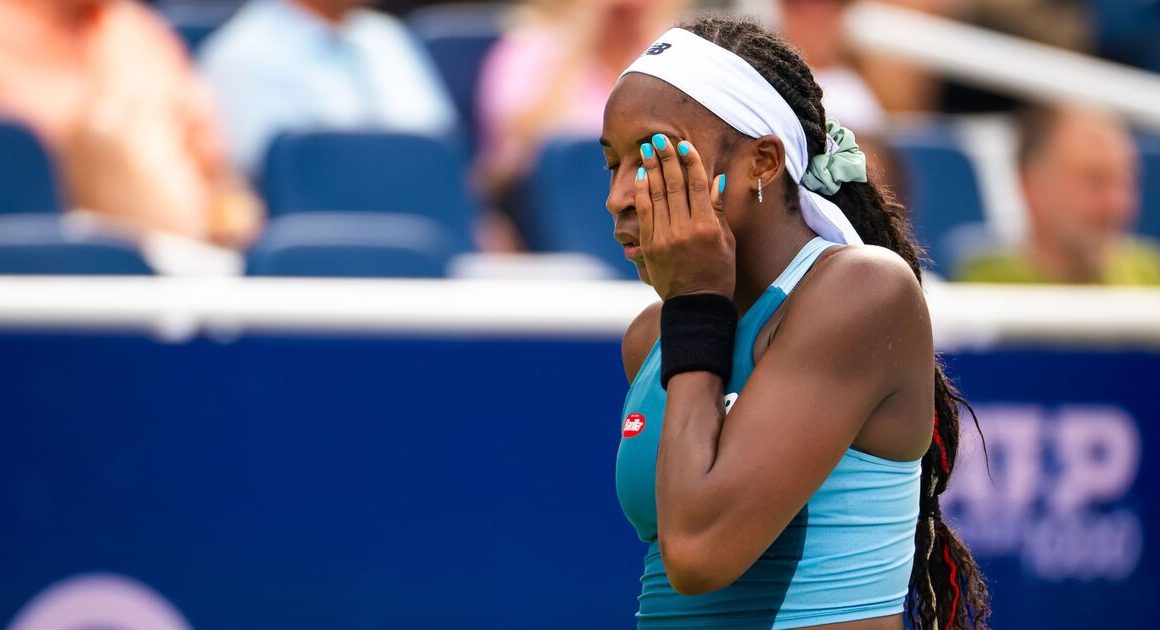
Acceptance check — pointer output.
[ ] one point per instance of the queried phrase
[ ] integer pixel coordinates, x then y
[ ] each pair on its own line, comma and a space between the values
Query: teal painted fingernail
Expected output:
660, 141
640, 173
646, 150
683, 148
721, 184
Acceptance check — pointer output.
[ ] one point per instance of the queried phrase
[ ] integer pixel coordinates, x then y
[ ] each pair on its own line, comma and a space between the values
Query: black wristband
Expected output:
697, 335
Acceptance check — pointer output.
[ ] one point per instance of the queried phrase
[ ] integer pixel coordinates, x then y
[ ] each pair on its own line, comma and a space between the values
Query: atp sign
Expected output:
1058, 499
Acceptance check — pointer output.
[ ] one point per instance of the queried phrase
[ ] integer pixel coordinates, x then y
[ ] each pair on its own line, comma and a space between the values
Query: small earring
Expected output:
760, 195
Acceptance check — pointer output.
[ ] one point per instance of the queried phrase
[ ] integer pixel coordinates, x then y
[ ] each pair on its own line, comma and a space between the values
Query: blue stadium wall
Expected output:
341, 482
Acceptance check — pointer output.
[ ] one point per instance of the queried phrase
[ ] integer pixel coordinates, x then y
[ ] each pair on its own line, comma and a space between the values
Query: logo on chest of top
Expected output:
634, 422
657, 48
633, 425
730, 399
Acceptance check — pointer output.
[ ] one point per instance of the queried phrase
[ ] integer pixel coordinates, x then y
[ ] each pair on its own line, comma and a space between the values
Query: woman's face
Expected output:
639, 107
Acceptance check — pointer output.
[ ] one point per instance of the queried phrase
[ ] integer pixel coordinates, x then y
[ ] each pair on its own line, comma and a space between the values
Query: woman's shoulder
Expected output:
639, 338
867, 270
872, 285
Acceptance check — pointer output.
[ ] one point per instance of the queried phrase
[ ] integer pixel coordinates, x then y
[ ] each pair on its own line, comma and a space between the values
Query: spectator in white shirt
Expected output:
815, 28
285, 65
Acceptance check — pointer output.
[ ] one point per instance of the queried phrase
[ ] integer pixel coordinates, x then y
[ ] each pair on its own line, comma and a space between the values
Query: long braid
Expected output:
946, 586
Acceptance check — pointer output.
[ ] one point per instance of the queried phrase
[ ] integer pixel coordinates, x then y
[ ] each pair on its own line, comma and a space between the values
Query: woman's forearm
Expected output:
694, 414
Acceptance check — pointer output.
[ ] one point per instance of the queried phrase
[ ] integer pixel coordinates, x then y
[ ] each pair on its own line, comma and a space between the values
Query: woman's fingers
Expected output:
673, 192
688, 247
656, 186
697, 182
644, 208
676, 194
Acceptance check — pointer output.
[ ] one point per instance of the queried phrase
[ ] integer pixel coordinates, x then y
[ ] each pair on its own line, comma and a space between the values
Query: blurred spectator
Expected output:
1062, 23
815, 27
906, 87
109, 88
1079, 173
550, 76
283, 65
901, 85
403, 7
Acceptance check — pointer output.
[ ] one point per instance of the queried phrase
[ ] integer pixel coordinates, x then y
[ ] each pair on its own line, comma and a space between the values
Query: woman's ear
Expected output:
768, 161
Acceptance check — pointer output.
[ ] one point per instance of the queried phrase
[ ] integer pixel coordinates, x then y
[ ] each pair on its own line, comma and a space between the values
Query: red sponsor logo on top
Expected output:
633, 425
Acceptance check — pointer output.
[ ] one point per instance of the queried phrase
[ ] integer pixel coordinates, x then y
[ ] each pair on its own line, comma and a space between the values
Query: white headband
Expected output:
733, 90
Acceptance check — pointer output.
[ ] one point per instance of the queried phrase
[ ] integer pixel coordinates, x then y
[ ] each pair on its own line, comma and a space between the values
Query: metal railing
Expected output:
176, 309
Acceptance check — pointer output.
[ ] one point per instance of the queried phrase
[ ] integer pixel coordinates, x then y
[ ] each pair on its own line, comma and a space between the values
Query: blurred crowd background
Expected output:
325, 454
423, 139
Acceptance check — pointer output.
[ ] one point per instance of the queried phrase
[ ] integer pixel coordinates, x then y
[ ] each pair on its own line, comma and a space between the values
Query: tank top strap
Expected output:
801, 264
758, 314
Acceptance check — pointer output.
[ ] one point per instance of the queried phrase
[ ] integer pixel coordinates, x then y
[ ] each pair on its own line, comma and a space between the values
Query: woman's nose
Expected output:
621, 193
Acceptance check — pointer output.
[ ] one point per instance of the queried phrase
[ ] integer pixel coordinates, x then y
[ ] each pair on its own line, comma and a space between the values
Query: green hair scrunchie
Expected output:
842, 162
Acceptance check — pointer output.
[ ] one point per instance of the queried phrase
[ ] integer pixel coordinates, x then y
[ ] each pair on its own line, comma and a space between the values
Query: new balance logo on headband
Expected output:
658, 48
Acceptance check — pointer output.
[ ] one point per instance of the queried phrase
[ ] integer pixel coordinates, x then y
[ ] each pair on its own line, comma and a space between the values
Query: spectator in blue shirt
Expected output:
283, 65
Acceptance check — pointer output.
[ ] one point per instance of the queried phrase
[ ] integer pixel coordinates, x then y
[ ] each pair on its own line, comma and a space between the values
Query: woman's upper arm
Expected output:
639, 339
846, 346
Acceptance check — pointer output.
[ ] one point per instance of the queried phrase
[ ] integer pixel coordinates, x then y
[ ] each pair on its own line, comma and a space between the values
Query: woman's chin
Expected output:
642, 271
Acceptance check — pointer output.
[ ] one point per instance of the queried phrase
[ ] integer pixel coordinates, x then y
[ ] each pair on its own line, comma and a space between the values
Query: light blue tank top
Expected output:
847, 555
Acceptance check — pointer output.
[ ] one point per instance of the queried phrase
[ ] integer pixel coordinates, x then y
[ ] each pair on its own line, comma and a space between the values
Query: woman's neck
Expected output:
762, 258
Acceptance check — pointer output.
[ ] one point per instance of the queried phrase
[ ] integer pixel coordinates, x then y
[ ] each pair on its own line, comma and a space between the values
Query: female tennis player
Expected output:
781, 463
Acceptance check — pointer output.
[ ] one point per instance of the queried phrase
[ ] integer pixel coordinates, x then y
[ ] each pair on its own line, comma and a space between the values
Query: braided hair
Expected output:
947, 591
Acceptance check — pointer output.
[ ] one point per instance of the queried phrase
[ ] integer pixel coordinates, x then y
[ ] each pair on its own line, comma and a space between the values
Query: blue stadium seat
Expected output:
41, 244
369, 172
458, 38
27, 179
1149, 222
1126, 30
196, 20
942, 190
195, 34
568, 193
353, 244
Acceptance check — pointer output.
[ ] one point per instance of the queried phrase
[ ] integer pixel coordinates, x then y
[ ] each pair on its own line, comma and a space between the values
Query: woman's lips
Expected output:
632, 251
